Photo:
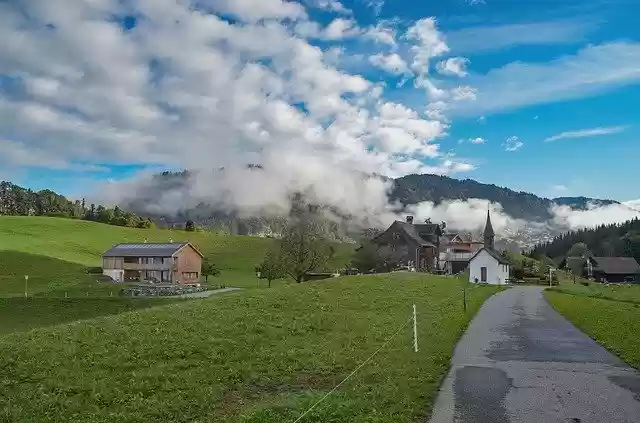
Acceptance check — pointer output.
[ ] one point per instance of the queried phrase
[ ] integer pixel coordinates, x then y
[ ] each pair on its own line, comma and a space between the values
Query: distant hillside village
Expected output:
431, 247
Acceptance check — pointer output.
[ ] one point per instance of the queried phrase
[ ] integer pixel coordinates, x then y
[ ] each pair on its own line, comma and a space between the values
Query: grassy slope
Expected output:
54, 253
614, 324
21, 314
255, 356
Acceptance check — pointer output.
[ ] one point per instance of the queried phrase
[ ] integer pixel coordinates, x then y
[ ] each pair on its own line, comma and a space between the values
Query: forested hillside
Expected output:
18, 201
606, 240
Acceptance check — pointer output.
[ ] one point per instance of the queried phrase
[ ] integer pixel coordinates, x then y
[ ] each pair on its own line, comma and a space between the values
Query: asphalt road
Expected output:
521, 362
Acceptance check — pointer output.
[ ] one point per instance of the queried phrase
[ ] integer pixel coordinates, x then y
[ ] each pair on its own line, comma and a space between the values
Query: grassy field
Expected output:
254, 356
614, 324
21, 314
616, 292
55, 254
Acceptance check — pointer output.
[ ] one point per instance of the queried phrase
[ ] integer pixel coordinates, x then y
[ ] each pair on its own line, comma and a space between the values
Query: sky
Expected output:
539, 96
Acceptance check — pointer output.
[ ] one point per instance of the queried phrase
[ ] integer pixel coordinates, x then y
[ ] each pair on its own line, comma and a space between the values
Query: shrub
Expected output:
584, 283
94, 270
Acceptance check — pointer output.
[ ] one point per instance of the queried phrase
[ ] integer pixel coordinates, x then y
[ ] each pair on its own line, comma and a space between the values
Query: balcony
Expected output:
149, 266
456, 256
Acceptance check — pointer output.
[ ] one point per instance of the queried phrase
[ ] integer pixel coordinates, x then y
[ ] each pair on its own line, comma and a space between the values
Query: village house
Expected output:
428, 246
174, 262
487, 265
418, 243
604, 269
457, 248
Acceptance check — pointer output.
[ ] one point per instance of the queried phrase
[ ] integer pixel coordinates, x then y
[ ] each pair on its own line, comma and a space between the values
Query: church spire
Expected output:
489, 235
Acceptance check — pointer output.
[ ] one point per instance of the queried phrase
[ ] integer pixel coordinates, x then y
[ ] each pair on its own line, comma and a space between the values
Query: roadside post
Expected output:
464, 298
415, 330
26, 283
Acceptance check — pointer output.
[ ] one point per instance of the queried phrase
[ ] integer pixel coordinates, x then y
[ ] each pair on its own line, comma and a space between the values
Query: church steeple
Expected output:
489, 235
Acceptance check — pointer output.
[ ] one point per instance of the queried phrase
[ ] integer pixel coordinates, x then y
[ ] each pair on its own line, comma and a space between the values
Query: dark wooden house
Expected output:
418, 242
604, 269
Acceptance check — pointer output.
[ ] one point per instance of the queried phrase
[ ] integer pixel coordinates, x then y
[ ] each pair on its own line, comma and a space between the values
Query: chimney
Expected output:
410, 220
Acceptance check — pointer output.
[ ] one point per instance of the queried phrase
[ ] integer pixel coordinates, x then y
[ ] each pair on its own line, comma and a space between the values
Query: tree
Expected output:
579, 249
272, 267
366, 257
190, 226
104, 215
209, 269
304, 248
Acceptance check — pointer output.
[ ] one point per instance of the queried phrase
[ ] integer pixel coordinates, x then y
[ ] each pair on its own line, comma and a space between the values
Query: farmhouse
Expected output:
427, 247
417, 244
176, 262
487, 265
612, 269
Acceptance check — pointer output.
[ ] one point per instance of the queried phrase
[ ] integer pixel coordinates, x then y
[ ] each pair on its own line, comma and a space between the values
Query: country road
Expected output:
521, 362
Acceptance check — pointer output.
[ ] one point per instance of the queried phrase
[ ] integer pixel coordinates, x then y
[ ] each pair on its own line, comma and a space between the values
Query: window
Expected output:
131, 260
483, 274
396, 236
190, 275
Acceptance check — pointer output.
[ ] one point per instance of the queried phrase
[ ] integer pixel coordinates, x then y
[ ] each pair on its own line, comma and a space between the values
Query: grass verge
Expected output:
254, 356
613, 324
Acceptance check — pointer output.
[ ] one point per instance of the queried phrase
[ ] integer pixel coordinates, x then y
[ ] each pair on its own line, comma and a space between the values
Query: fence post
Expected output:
464, 298
66, 294
415, 330
26, 281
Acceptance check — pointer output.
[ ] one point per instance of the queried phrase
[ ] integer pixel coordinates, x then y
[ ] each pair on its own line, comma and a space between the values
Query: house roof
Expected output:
493, 253
412, 232
617, 265
146, 250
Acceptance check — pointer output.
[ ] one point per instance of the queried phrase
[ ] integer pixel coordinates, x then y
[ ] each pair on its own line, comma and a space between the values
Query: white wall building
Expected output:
487, 266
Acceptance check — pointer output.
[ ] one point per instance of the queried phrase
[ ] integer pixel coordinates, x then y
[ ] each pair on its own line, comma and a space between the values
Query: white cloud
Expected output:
593, 69
593, 216
512, 144
559, 188
634, 204
375, 5
187, 89
255, 10
429, 43
337, 29
583, 133
455, 66
383, 33
391, 63
477, 140
469, 215
330, 5
498, 37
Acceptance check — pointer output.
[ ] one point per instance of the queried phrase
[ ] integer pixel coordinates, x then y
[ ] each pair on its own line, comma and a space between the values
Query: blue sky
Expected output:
539, 96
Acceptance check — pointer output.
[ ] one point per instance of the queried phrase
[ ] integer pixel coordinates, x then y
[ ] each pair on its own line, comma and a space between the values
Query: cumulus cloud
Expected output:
454, 66
512, 144
337, 29
391, 63
181, 87
573, 219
